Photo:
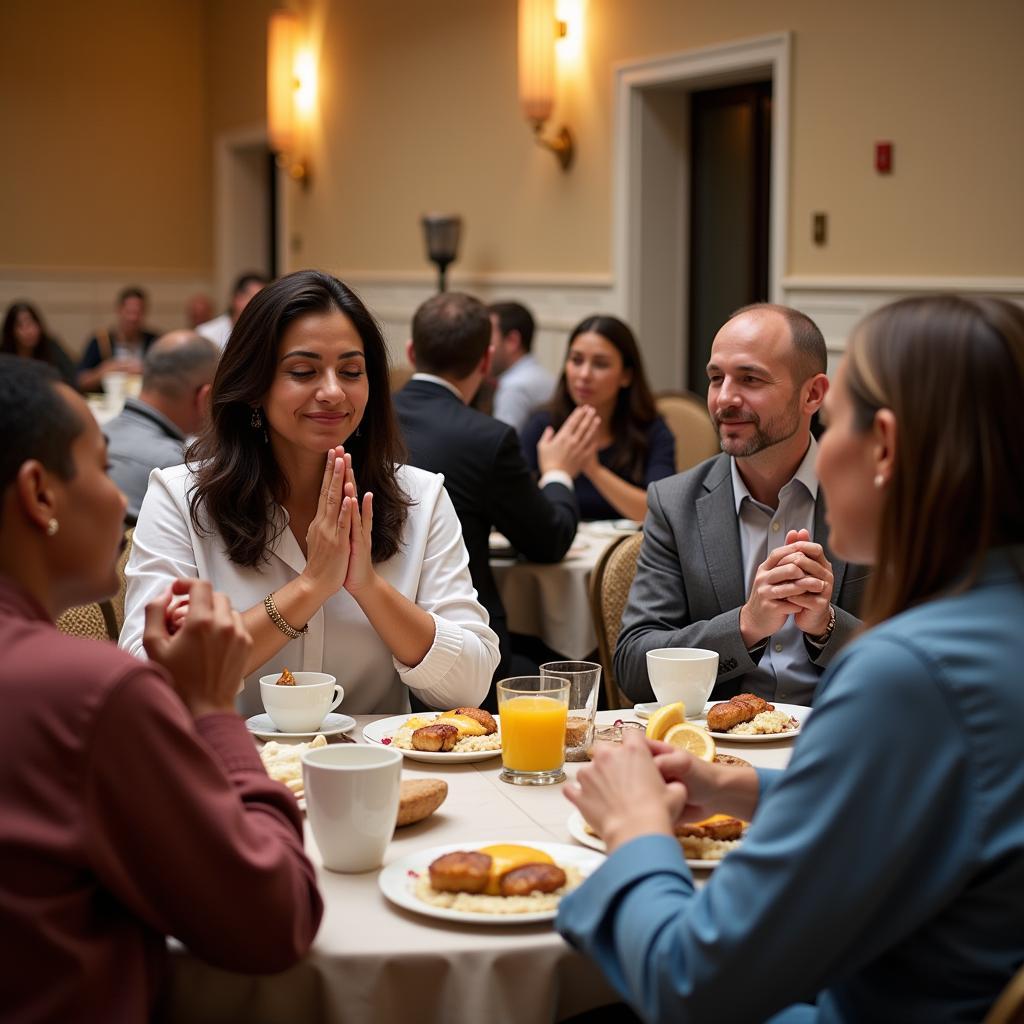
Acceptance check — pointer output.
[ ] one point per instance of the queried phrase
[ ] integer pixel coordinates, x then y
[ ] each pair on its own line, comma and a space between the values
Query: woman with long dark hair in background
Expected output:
634, 446
25, 334
366, 580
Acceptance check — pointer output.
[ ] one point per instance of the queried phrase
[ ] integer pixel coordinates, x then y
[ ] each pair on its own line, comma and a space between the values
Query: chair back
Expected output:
609, 590
117, 601
687, 417
94, 621
1009, 1007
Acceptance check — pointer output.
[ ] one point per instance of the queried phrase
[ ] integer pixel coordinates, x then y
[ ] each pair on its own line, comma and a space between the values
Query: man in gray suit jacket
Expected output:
735, 557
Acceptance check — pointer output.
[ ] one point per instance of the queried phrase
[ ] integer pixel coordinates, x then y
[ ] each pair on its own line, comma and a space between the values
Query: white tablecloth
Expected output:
551, 601
373, 963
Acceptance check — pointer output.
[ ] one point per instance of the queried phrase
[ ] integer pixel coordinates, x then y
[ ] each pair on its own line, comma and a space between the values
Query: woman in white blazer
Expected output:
375, 590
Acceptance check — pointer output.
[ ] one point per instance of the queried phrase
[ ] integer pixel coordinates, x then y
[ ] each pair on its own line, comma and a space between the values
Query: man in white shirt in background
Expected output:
218, 330
523, 384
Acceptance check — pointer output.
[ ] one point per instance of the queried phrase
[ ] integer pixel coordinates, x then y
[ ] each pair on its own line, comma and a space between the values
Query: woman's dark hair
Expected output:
951, 370
237, 476
8, 342
35, 420
634, 408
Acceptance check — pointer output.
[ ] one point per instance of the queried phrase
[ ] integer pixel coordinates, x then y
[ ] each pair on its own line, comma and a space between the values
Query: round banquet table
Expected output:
552, 601
374, 963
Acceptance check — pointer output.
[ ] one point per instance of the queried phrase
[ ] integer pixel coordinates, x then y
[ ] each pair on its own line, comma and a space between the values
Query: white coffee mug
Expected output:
304, 706
684, 674
352, 793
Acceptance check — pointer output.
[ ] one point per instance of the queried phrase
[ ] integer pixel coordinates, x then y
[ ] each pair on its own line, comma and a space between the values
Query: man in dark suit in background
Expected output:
484, 469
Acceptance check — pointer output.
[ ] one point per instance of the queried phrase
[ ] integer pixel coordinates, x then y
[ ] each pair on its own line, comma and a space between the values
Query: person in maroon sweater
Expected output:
133, 803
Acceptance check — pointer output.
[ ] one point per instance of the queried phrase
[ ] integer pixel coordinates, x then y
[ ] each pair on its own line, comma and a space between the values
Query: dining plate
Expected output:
385, 728
797, 711
397, 881
577, 829
334, 724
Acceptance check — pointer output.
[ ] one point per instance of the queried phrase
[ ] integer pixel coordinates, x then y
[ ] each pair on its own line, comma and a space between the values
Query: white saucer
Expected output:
333, 725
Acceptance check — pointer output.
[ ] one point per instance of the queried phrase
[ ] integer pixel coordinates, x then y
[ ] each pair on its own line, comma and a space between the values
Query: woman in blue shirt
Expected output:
882, 877
634, 447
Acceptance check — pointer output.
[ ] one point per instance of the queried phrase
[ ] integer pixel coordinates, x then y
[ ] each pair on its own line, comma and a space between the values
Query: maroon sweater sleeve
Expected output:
185, 828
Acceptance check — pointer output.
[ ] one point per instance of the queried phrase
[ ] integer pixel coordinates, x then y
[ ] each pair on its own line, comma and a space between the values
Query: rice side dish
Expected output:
481, 903
767, 723
466, 744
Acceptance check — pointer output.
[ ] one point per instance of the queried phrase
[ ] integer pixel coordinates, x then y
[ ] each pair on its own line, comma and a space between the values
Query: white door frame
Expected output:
226, 146
650, 194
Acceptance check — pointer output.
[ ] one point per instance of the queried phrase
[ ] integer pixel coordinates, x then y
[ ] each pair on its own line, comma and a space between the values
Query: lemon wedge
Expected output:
663, 719
692, 738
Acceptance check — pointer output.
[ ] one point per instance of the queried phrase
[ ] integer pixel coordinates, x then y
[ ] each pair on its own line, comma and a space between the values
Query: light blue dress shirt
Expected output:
883, 874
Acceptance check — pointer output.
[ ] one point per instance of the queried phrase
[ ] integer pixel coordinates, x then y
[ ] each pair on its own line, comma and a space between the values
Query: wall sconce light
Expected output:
441, 232
291, 87
538, 30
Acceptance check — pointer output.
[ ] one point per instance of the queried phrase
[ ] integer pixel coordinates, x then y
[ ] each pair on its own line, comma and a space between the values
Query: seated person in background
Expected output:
198, 309
735, 557
133, 804
484, 471
522, 384
218, 330
603, 370
120, 349
25, 335
372, 587
174, 402
875, 900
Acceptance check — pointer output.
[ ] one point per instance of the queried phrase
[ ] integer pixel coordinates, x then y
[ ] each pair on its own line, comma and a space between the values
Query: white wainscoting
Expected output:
75, 303
836, 304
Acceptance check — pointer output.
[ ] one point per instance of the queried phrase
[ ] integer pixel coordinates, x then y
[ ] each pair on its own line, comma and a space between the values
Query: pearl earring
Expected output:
879, 481
52, 527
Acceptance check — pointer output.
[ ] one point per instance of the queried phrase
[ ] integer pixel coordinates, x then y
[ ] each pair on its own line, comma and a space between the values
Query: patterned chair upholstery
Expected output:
101, 620
609, 590
687, 417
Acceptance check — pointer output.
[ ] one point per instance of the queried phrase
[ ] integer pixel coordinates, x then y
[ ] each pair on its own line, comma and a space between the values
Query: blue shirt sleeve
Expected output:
870, 831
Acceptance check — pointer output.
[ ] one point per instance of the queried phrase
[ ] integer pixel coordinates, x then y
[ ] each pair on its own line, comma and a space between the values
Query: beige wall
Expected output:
110, 112
418, 112
106, 157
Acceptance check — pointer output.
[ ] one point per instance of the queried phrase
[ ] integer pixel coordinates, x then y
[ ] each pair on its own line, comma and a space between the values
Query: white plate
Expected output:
378, 731
334, 724
577, 829
398, 885
797, 711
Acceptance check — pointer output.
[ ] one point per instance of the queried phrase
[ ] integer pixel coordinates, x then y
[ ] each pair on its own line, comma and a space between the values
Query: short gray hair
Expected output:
178, 363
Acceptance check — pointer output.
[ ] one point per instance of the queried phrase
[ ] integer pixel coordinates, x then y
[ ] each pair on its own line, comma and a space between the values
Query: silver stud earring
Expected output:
52, 527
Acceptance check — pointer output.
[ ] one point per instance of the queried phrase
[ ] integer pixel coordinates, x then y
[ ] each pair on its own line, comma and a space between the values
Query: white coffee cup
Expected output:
304, 706
352, 793
683, 673
115, 385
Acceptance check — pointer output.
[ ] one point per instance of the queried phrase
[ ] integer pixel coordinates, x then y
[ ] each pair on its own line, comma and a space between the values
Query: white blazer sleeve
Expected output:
162, 551
458, 667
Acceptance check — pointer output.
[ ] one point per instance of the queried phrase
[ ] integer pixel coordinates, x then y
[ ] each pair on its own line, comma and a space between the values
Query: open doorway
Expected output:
249, 212
730, 159
654, 234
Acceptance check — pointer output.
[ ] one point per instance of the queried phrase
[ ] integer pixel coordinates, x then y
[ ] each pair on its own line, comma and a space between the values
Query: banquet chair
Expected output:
94, 621
609, 589
1009, 1007
117, 601
687, 417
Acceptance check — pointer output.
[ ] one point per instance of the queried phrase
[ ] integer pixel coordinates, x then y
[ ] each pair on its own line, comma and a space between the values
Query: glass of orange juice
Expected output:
532, 712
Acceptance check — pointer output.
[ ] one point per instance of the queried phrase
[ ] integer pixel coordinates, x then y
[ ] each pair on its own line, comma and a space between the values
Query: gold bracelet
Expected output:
278, 620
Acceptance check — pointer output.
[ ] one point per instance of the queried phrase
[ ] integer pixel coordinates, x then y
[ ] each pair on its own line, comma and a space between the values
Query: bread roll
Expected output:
419, 798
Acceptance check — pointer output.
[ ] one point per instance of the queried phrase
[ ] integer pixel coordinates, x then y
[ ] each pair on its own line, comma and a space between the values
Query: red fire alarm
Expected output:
883, 157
